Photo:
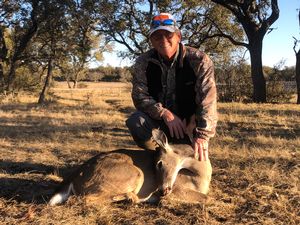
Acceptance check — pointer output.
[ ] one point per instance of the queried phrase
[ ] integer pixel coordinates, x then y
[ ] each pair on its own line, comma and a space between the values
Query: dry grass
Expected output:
255, 157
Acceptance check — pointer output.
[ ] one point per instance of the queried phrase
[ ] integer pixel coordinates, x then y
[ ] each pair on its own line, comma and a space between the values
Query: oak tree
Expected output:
256, 18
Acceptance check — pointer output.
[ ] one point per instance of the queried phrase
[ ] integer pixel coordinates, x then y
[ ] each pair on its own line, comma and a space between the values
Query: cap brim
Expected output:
171, 29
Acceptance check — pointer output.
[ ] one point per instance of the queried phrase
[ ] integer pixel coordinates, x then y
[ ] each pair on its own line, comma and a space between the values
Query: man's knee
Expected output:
140, 126
135, 120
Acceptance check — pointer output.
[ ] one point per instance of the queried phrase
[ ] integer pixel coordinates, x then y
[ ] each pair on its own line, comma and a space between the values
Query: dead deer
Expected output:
190, 178
139, 176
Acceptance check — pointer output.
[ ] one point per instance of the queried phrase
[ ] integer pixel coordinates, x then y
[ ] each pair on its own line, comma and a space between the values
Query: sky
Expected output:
277, 45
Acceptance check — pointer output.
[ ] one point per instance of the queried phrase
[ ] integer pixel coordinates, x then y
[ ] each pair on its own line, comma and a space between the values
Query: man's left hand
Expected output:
200, 147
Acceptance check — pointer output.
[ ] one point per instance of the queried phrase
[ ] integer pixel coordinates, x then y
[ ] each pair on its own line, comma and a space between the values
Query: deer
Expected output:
137, 176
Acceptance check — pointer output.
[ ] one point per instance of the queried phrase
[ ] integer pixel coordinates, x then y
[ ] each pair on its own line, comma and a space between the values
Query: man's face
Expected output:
165, 42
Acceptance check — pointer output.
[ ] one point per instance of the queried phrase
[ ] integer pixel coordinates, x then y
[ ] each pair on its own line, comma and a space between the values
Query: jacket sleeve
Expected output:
140, 95
206, 99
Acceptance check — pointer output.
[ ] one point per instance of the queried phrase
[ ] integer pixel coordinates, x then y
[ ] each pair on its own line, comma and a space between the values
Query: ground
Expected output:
255, 157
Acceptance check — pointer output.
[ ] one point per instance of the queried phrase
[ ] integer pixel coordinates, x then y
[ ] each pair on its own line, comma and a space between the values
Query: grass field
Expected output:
255, 158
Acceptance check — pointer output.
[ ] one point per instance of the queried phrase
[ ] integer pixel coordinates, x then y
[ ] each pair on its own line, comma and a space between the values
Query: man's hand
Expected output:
174, 123
200, 147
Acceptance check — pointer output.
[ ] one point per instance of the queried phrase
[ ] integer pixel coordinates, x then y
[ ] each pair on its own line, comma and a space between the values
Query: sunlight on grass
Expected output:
255, 157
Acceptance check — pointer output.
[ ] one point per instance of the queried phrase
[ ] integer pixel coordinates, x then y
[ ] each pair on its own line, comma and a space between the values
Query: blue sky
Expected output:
277, 45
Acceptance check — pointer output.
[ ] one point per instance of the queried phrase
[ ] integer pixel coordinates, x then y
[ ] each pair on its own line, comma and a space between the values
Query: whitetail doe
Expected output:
140, 176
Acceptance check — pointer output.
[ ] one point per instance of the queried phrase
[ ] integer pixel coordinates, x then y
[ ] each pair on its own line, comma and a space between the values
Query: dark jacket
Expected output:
195, 88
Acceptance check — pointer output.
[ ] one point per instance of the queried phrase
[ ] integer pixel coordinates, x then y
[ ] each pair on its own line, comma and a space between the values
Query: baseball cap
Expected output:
163, 21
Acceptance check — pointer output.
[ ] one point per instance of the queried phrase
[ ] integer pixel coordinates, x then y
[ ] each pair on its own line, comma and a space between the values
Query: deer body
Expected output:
139, 176
112, 176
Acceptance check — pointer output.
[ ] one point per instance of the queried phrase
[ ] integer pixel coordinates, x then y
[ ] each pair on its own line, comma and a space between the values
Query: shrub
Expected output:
278, 90
234, 83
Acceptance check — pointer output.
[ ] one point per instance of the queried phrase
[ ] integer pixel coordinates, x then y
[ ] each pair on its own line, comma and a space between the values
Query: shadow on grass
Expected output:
35, 127
118, 105
26, 190
27, 182
12, 168
32, 182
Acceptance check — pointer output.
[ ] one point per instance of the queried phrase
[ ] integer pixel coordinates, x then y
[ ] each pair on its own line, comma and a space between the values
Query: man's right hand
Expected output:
174, 123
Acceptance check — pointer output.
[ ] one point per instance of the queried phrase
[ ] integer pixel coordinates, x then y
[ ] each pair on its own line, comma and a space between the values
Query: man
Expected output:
173, 85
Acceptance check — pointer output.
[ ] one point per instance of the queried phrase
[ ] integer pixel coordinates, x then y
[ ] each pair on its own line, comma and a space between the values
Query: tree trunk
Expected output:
2, 82
298, 75
258, 79
47, 82
76, 77
74, 83
3, 55
68, 82
11, 75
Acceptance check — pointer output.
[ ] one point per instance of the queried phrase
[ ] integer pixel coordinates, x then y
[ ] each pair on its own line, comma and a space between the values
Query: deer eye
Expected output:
159, 165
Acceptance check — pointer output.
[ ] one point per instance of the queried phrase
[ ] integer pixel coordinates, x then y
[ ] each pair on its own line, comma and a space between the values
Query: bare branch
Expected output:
227, 36
296, 41
272, 18
123, 42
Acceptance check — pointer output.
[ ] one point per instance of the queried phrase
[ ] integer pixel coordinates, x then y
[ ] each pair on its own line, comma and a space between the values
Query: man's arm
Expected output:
206, 112
206, 100
140, 95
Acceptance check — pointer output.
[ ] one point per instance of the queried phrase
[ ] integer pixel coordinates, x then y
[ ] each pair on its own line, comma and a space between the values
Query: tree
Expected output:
43, 35
24, 33
297, 53
256, 17
52, 39
84, 43
22, 19
128, 23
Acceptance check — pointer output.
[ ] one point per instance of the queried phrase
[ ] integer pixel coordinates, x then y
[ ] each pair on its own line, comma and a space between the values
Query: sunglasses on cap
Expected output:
167, 22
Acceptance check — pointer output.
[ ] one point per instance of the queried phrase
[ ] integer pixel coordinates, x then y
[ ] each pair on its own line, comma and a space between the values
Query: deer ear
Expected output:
160, 138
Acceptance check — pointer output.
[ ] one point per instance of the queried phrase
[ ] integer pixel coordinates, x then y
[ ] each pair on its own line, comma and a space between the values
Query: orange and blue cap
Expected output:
163, 21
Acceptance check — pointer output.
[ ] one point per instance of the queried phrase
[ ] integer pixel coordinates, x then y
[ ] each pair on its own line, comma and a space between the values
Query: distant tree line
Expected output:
233, 81
42, 39
101, 73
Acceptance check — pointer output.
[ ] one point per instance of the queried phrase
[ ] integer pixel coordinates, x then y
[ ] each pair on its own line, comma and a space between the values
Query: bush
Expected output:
234, 83
82, 85
26, 80
277, 89
109, 73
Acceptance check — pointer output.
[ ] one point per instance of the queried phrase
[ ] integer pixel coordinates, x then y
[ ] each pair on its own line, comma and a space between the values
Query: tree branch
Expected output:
272, 18
296, 41
227, 36
123, 42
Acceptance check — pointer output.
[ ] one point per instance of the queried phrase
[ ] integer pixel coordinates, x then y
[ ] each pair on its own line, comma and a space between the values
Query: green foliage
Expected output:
39, 31
128, 23
256, 18
280, 89
234, 82
26, 80
72, 33
122, 74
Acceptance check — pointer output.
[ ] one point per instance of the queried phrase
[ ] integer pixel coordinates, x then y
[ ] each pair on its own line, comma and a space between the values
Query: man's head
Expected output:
165, 35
